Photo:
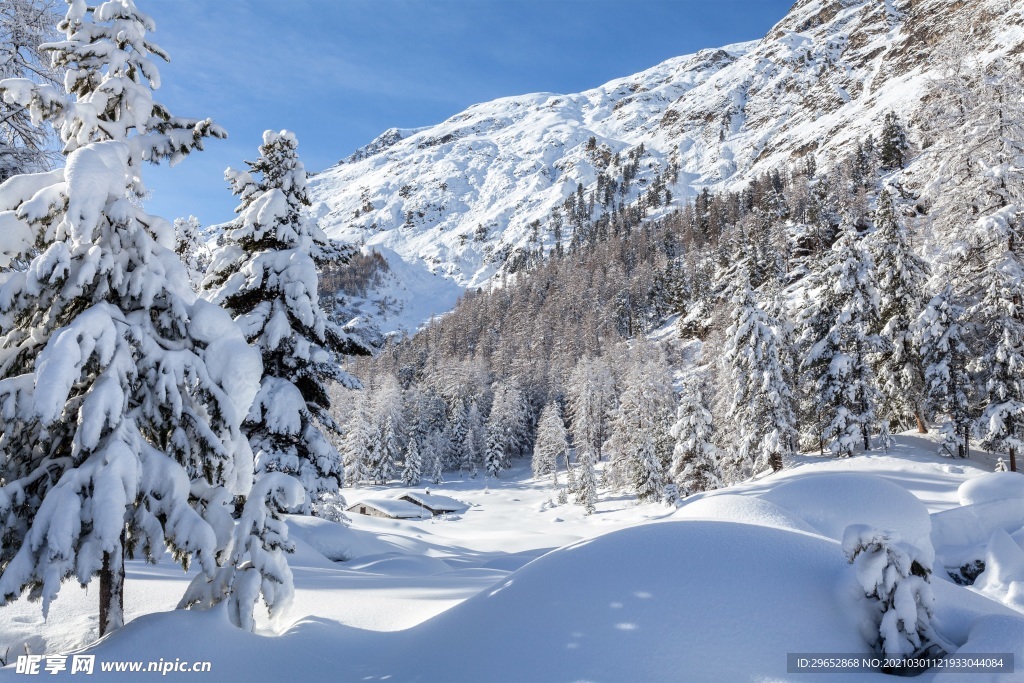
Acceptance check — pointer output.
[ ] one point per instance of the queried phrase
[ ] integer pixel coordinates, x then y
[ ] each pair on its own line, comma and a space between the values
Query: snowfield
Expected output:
519, 589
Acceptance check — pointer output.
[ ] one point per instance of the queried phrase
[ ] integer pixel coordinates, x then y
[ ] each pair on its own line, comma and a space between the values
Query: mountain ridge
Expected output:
461, 198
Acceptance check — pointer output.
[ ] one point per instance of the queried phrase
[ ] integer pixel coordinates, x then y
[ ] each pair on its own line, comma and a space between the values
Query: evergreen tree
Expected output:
257, 564
944, 356
388, 420
25, 27
591, 400
892, 143
474, 442
762, 402
895, 579
191, 249
640, 438
122, 396
412, 469
901, 279
551, 444
695, 460
357, 442
265, 275
586, 482
838, 341
1002, 421
506, 427
433, 457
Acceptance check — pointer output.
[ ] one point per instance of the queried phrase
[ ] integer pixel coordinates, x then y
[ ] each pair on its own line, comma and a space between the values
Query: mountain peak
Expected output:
468, 198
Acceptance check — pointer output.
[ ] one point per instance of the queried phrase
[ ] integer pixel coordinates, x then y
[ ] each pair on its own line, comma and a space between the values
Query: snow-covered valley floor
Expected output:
518, 589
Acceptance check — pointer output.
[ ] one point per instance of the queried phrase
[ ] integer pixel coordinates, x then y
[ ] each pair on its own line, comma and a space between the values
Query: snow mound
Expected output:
1003, 578
992, 486
397, 564
336, 542
576, 610
970, 525
832, 502
743, 509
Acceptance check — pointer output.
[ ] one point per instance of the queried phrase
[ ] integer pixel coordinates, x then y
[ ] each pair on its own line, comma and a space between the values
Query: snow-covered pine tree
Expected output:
387, 416
901, 278
695, 460
191, 249
591, 399
640, 437
837, 335
762, 401
357, 442
586, 481
551, 443
26, 25
944, 355
122, 395
892, 143
895, 579
474, 442
257, 564
1002, 420
507, 426
433, 456
412, 467
265, 275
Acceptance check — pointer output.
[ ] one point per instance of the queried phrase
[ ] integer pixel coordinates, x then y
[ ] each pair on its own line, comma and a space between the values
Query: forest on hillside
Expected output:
694, 345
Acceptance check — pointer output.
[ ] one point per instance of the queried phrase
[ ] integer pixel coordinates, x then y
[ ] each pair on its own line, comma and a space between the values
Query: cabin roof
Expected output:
435, 502
399, 509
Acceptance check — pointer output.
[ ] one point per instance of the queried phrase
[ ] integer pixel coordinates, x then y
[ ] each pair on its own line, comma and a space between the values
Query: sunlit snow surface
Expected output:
517, 589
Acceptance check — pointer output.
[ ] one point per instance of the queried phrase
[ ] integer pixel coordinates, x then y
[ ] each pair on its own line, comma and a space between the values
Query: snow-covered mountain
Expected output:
460, 198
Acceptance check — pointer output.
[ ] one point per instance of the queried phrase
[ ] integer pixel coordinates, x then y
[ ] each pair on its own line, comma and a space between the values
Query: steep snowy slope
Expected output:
460, 198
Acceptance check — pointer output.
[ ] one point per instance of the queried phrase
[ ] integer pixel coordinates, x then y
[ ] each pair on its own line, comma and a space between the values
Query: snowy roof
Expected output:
399, 509
435, 503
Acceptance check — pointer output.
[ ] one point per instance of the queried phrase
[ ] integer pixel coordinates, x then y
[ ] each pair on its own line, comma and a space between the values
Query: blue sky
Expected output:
340, 72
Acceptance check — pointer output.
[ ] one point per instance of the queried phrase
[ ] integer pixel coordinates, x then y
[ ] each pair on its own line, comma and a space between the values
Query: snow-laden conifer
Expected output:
761, 408
895, 579
944, 355
586, 481
696, 462
192, 248
1001, 423
551, 443
265, 275
388, 418
591, 400
257, 564
838, 338
901, 277
506, 427
640, 438
358, 442
892, 143
122, 395
412, 466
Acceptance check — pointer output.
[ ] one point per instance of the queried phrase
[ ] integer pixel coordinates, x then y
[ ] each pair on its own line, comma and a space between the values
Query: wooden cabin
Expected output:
389, 508
436, 505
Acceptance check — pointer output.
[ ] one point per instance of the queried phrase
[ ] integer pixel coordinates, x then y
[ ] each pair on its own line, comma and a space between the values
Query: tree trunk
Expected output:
112, 589
921, 427
967, 443
1013, 459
